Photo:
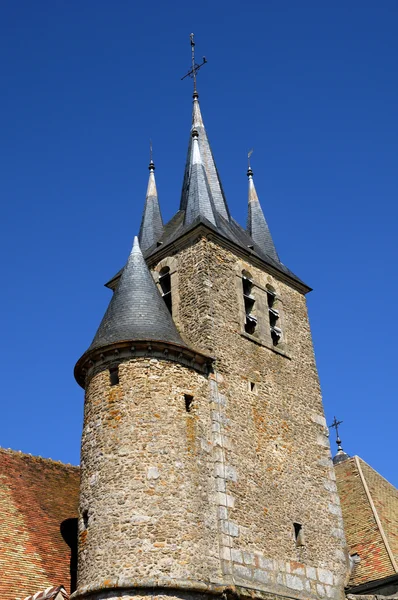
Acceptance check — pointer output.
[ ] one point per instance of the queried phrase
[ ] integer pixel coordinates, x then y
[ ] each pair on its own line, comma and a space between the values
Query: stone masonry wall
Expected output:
148, 503
271, 450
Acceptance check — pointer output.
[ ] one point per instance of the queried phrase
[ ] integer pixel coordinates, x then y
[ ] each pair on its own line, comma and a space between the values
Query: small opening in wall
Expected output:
85, 519
188, 402
165, 285
298, 534
253, 387
114, 375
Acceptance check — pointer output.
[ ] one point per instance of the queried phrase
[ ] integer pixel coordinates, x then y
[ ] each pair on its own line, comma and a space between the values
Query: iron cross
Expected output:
335, 426
195, 67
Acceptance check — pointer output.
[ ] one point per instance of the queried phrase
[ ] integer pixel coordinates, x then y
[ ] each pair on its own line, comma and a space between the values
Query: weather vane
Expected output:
195, 67
335, 426
248, 157
150, 150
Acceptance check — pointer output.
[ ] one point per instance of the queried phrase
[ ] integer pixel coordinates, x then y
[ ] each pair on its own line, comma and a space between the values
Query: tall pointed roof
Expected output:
136, 310
257, 226
152, 223
213, 178
199, 199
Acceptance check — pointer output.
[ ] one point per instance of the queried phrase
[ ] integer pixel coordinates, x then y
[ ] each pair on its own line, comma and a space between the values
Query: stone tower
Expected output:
206, 467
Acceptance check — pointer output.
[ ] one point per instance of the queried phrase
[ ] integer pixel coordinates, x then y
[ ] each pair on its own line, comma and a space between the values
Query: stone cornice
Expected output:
99, 359
218, 588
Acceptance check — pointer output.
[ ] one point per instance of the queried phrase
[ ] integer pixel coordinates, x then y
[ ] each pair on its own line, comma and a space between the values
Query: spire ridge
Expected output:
257, 226
213, 178
152, 223
199, 199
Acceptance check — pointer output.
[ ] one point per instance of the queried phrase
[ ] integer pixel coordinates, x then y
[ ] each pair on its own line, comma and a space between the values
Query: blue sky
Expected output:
310, 85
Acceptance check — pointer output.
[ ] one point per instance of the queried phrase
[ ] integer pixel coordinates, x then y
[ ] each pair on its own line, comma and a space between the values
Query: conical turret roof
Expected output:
152, 223
257, 226
136, 310
213, 179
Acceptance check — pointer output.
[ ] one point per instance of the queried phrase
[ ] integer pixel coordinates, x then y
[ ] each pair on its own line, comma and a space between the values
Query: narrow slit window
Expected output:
252, 387
249, 301
165, 286
298, 534
273, 314
85, 519
114, 375
188, 402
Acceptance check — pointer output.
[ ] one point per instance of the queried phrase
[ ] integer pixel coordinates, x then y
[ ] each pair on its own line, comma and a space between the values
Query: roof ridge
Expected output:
375, 513
377, 472
37, 456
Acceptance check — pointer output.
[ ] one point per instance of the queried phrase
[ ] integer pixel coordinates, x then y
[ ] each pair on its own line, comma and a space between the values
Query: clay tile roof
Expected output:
370, 512
51, 593
36, 495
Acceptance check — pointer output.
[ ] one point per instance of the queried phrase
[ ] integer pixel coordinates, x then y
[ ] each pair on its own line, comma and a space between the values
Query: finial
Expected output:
195, 67
335, 425
249, 169
151, 163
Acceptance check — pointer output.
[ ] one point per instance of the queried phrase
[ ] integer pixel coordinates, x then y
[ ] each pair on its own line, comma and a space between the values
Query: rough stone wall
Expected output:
271, 449
147, 479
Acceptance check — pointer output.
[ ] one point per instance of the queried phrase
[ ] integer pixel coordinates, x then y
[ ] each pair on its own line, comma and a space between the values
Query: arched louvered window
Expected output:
165, 286
249, 301
274, 316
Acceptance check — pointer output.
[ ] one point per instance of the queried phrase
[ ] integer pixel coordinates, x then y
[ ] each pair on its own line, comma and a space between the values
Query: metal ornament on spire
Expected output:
248, 158
195, 67
335, 425
151, 163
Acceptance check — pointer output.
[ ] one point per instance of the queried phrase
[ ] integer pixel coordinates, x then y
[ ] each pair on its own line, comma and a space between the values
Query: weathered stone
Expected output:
233, 471
294, 582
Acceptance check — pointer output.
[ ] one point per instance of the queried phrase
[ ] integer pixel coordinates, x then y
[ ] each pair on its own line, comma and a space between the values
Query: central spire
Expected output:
212, 176
199, 201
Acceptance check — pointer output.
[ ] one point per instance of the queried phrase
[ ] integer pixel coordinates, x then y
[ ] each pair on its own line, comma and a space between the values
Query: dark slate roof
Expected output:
257, 226
231, 230
152, 223
209, 164
136, 310
199, 198
203, 201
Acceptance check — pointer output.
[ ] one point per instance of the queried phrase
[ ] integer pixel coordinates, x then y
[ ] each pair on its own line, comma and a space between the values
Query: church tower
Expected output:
206, 467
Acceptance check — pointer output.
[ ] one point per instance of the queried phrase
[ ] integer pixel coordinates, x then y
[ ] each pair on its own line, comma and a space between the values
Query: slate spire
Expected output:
199, 199
152, 223
214, 182
257, 226
136, 310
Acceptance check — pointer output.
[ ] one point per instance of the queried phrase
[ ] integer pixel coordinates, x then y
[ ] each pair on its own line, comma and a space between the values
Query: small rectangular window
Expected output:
252, 387
188, 402
298, 534
114, 375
